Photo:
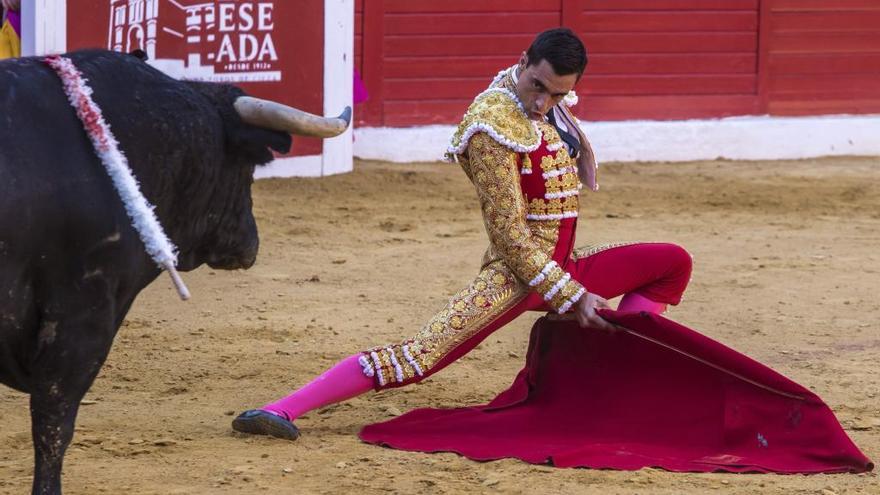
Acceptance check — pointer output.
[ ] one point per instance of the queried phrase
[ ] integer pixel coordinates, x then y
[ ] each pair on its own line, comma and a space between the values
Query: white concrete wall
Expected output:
338, 94
735, 138
338, 80
43, 27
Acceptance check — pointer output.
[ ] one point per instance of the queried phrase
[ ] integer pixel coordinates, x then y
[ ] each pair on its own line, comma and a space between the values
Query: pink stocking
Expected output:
339, 383
637, 302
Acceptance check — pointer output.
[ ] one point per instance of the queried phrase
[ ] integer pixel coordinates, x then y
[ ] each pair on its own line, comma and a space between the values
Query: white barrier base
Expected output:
296, 166
733, 138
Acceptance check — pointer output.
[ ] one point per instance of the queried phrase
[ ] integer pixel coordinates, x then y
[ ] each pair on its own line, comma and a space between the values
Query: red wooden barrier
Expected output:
823, 56
649, 59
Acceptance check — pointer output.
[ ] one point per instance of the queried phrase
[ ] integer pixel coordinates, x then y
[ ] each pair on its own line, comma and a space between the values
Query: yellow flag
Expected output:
10, 44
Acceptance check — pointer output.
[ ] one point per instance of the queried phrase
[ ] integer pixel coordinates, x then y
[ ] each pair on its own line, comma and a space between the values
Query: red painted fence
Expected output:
423, 62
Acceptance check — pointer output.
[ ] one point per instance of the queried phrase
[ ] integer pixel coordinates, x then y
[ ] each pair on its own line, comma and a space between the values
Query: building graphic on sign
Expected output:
197, 40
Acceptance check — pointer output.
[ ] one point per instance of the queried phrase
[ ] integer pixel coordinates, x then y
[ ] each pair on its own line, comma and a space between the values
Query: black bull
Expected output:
71, 264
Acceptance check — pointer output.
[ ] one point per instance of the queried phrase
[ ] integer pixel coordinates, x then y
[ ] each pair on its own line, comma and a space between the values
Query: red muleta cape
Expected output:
658, 395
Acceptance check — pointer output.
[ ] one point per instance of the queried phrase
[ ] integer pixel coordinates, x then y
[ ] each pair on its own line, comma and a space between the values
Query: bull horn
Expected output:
273, 115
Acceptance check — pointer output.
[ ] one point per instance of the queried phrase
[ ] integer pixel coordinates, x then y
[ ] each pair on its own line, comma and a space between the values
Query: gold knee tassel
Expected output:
526, 164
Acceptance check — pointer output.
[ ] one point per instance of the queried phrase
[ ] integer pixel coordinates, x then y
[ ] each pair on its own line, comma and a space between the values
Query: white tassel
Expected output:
367, 366
552, 216
557, 287
543, 274
563, 194
412, 361
571, 302
377, 367
398, 370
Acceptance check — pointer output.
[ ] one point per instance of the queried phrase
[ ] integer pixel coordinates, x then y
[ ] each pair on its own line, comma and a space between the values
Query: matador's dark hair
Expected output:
562, 49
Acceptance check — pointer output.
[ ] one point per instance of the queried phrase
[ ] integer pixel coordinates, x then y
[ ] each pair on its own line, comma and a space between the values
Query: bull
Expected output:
71, 264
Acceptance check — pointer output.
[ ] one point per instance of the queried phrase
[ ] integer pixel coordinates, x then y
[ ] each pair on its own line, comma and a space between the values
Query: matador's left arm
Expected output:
493, 169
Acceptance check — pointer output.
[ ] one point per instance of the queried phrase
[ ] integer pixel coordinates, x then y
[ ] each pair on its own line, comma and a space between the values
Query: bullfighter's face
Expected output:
540, 88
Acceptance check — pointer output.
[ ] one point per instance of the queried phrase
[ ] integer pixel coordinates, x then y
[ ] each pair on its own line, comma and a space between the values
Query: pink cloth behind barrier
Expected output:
15, 21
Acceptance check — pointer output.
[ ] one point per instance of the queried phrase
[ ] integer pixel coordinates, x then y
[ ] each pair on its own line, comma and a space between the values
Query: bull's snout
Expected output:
241, 260
249, 256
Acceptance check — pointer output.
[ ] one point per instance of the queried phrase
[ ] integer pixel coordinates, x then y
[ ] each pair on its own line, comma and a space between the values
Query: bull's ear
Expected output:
253, 144
139, 54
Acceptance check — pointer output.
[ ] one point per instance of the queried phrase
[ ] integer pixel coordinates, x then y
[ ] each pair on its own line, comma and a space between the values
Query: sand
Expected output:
786, 270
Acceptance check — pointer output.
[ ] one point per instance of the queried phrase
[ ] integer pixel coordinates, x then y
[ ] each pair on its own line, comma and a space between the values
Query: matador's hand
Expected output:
585, 312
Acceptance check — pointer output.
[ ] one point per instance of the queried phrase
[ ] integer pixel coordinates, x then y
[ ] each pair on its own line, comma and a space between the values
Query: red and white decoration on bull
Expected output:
143, 218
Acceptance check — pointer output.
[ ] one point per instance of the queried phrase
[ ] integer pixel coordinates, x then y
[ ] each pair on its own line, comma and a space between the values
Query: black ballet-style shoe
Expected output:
257, 422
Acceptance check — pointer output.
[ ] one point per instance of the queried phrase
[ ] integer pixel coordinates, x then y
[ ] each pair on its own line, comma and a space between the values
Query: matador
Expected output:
528, 159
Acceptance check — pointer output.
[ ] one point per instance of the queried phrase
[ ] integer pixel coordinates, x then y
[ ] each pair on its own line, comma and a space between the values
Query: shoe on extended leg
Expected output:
259, 422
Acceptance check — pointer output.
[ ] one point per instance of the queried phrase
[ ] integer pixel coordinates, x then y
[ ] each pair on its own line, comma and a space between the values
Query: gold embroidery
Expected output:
504, 211
591, 249
487, 142
526, 164
511, 235
494, 292
545, 232
551, 137
561, 183
556, 160
558, 206
565, 294
567, 181
497, 113
555, 274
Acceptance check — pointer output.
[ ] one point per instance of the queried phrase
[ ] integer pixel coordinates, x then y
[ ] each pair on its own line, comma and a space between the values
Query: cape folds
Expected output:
657, 395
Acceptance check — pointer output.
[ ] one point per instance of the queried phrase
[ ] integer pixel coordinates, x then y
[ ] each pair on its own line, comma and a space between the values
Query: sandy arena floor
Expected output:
787, 271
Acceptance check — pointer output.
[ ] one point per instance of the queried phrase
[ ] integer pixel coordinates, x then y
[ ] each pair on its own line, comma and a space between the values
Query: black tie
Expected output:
573, 143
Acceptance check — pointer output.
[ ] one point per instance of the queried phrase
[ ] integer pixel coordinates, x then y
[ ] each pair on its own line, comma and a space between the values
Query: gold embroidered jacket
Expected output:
528, 190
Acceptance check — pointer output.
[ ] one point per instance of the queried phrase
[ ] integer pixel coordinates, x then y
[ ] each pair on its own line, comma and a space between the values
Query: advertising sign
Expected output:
271, 49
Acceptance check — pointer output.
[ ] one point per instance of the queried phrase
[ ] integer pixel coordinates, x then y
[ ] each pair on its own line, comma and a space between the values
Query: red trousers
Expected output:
657, 271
